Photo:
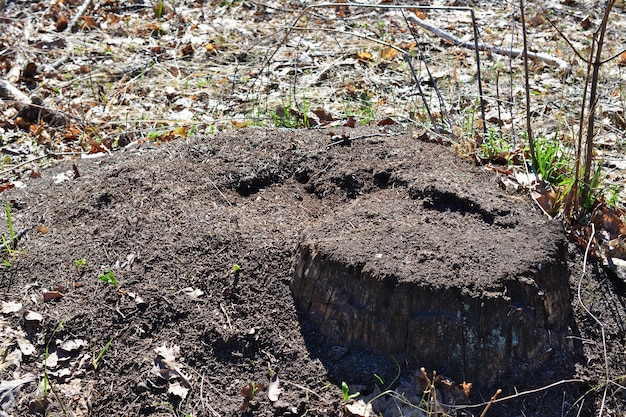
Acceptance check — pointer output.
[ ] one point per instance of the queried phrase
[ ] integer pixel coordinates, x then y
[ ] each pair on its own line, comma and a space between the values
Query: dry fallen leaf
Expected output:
360, 408
386, 122
420, 14
586, 23
181, 131
9, 307
96, 147
537, 19
545, 197
51, 295
25, 346
274, 391
342, 11
609, 220
10, 392
388, 53
364, 55
62, 22
6, 186
187, 50
323, 116
72, 345
193, 293
90, 22
33, 316
165, 367
240, 124
178, 390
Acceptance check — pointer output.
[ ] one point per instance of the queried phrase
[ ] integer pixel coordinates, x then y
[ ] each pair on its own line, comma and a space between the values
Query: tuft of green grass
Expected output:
159, 9
285, 115
97, 358
9, 245
553, 165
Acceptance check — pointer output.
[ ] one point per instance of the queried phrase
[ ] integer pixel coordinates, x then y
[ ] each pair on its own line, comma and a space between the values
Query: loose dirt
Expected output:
188, 333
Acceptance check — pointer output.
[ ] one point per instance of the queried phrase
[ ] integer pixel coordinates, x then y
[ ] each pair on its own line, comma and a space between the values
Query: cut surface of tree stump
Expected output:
447, 278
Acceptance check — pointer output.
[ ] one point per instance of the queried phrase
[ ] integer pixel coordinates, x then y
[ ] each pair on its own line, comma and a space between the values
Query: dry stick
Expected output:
519, 394
512, 52
434, 394
484, 413
419, 88
499, 105
475, 46
219, 191
11, 243
203, 398
529, 132
342, 140
511, 96
572, 201
613, 57
79, 13
479, 46
9, 92
37, 158
582, 304
389, 45
430, 387
442, 104
321, 73
230, 326
19, 62
592, 98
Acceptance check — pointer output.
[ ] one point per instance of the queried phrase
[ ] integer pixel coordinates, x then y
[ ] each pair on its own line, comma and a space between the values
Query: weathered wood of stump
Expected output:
444, 280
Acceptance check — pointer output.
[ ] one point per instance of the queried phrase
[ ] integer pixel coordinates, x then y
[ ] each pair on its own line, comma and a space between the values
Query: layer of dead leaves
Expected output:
80, 77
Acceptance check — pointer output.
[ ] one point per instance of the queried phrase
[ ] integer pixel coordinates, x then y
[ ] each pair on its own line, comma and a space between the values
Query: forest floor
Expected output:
121, 299
105, 84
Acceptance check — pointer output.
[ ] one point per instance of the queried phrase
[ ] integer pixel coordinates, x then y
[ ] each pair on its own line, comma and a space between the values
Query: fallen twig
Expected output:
219, 191
519, 394
512, 52
14, 167
11, 93
79, 13
230, 326
582, 304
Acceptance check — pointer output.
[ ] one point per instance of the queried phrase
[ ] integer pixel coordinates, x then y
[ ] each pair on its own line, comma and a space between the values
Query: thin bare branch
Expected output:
512, 52
613, 57
529, 132
9, 92
566, 39
79, 14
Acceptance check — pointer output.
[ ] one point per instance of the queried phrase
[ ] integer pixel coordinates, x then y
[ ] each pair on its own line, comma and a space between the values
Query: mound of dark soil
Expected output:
190, 333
